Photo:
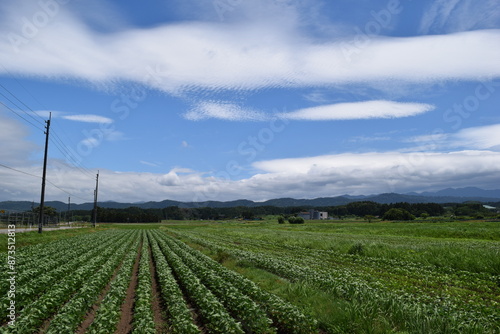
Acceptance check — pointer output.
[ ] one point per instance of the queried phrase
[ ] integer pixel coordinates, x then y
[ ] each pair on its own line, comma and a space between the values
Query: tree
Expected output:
47, 210
369, 218
247, 214
398, 214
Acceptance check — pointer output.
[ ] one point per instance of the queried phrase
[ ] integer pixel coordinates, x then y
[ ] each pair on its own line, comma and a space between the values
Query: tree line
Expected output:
397, 211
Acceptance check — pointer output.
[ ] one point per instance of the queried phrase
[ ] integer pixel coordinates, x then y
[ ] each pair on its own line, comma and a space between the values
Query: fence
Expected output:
25, 219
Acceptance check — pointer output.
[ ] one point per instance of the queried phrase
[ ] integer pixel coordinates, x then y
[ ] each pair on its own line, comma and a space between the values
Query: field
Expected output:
246, 277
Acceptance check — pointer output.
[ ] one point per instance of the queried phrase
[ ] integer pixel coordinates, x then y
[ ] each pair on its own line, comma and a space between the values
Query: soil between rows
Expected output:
127, 309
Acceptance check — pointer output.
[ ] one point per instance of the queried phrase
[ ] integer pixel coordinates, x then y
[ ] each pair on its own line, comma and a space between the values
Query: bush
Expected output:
356, 249
296, 220
398, 214
281, 220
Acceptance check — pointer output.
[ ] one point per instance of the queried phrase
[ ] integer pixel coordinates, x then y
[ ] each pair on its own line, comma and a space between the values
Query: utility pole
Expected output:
69, 205
42, 198
95, 197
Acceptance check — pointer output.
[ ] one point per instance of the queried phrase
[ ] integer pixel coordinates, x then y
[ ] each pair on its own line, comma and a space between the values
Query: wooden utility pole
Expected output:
95, 198
42, 197
69, 207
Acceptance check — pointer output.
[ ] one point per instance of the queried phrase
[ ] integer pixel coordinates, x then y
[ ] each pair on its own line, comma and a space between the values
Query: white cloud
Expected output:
89, 118
15, 148
223, 111
481, 137
378, 172
240, 56
460, 15
359, 110
324, 175
485, 137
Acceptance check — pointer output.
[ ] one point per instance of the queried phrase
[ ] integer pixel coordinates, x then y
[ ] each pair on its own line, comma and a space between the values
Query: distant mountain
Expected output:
450, 195
463, 192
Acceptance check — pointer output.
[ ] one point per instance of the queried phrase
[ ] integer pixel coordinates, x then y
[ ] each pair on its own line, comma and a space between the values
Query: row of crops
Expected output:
410, 296
83, 284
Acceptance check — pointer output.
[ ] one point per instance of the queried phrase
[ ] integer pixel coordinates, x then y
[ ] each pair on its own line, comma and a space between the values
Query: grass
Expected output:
470, 246
452, 263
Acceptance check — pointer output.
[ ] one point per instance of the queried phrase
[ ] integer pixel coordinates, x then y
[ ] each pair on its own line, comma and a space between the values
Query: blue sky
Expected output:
218, 100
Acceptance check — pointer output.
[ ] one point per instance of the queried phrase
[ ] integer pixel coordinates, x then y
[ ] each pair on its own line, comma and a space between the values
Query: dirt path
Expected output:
127, 310
31, 229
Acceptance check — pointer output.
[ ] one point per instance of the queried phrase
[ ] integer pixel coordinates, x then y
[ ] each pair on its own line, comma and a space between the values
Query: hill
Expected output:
449, 195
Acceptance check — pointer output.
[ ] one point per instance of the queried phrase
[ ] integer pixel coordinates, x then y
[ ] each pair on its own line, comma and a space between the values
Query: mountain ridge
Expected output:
449, 195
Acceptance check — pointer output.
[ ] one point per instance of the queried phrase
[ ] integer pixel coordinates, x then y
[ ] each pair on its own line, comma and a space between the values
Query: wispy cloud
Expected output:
460, 15
485, 137
359, 110
223, 111
88, 118
481, 137
235, 56
147, 163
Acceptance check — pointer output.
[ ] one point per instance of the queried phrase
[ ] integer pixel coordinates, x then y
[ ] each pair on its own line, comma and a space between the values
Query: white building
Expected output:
314, 215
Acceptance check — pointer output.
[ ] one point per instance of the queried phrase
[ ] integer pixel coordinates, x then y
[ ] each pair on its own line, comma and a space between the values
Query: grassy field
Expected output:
445, 276
346, 277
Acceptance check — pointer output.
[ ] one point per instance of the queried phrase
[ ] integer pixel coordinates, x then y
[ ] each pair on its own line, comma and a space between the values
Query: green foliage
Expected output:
404, 282
143, 313
296, 220
47, 210
281, 220
356, 249
369, 218
398, 214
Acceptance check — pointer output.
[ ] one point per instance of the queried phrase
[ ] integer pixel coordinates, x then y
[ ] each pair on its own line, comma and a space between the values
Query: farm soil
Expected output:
90, 316
127, 310
158, 306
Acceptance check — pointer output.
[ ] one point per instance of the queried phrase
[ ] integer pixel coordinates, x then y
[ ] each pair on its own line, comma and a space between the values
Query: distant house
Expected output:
314, 215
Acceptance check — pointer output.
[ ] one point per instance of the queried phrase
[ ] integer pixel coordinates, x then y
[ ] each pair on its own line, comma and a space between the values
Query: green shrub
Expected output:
296, 220
281, 220
398, 214
356, 249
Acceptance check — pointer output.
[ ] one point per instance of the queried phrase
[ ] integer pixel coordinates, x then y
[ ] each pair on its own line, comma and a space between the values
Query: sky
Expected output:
197, 100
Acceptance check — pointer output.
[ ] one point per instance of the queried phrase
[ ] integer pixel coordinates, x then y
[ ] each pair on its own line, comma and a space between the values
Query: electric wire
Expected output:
48, 181
40, 120
62, 147
19, 115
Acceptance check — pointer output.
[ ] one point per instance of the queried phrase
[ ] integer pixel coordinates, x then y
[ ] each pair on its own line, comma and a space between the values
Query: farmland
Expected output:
244, 277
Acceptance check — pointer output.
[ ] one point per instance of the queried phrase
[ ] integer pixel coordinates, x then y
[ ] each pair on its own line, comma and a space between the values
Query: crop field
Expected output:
236, 277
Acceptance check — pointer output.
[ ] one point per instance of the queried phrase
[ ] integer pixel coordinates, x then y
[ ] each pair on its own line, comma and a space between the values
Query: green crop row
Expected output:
215, 316
143, 312
180, 319
286, 317
239, 305
49, 263
73, 312
108, 314
417, 313
33, 315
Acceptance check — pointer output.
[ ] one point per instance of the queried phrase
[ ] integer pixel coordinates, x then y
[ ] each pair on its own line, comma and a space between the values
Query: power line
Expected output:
48, 181
24, 104
61, 146
70, 155
19, 115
